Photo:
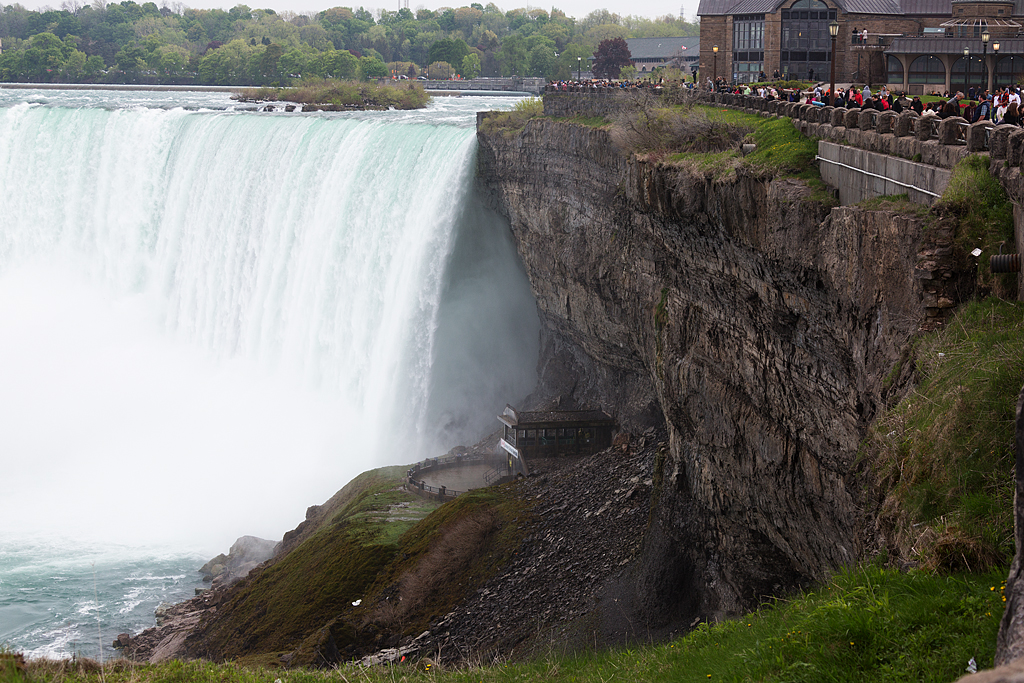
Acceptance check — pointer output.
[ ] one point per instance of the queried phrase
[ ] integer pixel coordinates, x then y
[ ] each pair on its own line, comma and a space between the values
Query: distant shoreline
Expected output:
118, 86
220, 88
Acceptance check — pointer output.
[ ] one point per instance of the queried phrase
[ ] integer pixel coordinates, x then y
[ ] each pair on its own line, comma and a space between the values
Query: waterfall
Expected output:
214, 319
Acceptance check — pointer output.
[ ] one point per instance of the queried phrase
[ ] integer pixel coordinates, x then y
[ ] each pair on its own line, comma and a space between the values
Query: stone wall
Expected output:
858, 175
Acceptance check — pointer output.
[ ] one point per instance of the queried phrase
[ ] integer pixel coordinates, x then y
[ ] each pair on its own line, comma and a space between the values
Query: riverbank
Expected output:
119, 86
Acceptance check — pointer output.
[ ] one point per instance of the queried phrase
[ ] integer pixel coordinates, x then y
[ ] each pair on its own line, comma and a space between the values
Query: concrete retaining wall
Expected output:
860, 174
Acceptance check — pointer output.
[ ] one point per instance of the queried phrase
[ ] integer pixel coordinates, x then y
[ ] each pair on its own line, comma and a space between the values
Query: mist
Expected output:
198, 343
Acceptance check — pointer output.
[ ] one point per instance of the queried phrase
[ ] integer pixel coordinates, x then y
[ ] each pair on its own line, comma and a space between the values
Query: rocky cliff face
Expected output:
757, 324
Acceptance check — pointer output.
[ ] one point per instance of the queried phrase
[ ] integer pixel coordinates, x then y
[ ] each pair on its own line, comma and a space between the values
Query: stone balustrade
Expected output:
928, 139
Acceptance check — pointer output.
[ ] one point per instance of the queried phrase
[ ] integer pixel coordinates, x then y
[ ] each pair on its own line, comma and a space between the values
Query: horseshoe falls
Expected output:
211, 319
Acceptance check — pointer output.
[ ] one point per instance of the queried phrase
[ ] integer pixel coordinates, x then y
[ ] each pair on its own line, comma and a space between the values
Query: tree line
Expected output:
131, 43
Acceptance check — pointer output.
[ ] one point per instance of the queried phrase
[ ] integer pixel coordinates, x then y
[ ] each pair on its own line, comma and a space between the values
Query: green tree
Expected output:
172, 60
371, 68
440, 71
513, 56
130, 59
72, 69
337, 64
44, 59
267, 65
451, 50
471, 65
293, 63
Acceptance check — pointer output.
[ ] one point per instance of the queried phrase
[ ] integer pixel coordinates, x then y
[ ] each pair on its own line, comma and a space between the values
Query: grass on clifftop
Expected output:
864, 625
780, 149
945, 455
508, 123
985, 215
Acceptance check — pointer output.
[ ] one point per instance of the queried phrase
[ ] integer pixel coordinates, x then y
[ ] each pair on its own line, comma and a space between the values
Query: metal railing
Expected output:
961, 133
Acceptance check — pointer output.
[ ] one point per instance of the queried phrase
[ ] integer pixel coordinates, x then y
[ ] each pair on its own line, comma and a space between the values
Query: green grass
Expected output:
590, 121
944, 455
985, 216
509, 123
316, 582
405, 558
781, 149
867, 624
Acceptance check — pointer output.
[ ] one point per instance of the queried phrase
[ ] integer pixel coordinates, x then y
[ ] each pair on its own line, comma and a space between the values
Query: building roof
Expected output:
877, 6
662, 48
513, 417
712, 7
890, 7
953, 46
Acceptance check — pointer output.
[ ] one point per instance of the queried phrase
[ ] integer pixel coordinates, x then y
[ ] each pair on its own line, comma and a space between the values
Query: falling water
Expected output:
211, 319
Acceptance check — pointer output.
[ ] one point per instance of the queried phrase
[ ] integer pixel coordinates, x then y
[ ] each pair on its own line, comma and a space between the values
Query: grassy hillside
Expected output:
374, 544
866, 625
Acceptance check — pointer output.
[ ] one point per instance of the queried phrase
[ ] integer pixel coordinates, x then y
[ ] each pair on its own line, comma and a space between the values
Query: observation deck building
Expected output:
914, 46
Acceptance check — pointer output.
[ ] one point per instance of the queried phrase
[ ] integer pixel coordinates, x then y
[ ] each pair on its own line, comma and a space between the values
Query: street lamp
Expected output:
984, 57
714, 79
579, 68
995, 60
967, 68
833, 30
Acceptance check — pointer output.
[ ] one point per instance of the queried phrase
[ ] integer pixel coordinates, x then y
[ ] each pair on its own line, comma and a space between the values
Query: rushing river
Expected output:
211, 318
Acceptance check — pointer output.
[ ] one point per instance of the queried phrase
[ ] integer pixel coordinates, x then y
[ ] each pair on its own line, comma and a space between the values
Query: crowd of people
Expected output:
1002, 106
603, 83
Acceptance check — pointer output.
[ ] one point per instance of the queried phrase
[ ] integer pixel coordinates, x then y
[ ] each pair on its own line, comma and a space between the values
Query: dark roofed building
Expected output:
912, 45
553, 433
648, 54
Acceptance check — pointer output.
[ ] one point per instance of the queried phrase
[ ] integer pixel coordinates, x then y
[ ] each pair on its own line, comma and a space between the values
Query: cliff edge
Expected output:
756, 323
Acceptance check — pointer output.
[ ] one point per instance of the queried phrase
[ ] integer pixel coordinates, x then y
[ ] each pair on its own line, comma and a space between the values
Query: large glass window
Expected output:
895, 70
1009, 70
806, 43
927, 69
747, 47
747, 32
968, 71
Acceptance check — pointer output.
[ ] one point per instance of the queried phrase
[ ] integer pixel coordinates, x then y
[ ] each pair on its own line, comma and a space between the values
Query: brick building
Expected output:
917, 46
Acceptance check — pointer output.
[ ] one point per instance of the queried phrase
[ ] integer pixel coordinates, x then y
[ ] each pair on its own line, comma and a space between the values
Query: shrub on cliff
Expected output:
647, 127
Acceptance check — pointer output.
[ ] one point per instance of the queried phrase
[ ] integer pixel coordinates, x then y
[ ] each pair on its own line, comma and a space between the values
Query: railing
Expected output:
441, 491
494, 475
961, 133
420, 487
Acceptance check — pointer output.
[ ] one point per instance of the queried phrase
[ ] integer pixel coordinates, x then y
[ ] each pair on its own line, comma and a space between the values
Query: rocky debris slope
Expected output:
753, 320
571, 581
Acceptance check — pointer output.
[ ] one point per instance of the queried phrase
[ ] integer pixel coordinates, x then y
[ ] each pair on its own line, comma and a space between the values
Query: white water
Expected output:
211, 319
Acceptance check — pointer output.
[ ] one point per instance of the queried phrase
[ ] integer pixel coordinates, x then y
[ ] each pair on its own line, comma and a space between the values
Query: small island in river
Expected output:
337, 95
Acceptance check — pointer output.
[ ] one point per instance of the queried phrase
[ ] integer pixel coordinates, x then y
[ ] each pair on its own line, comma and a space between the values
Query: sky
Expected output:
573, 8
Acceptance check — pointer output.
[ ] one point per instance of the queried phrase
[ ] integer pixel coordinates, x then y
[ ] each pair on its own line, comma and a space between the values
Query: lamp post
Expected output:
995, 60
714, 78
967, 68
833, 30
579, 68
984, 57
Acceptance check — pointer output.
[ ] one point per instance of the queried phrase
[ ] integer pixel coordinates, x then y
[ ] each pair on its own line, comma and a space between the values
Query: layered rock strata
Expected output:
756, 323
